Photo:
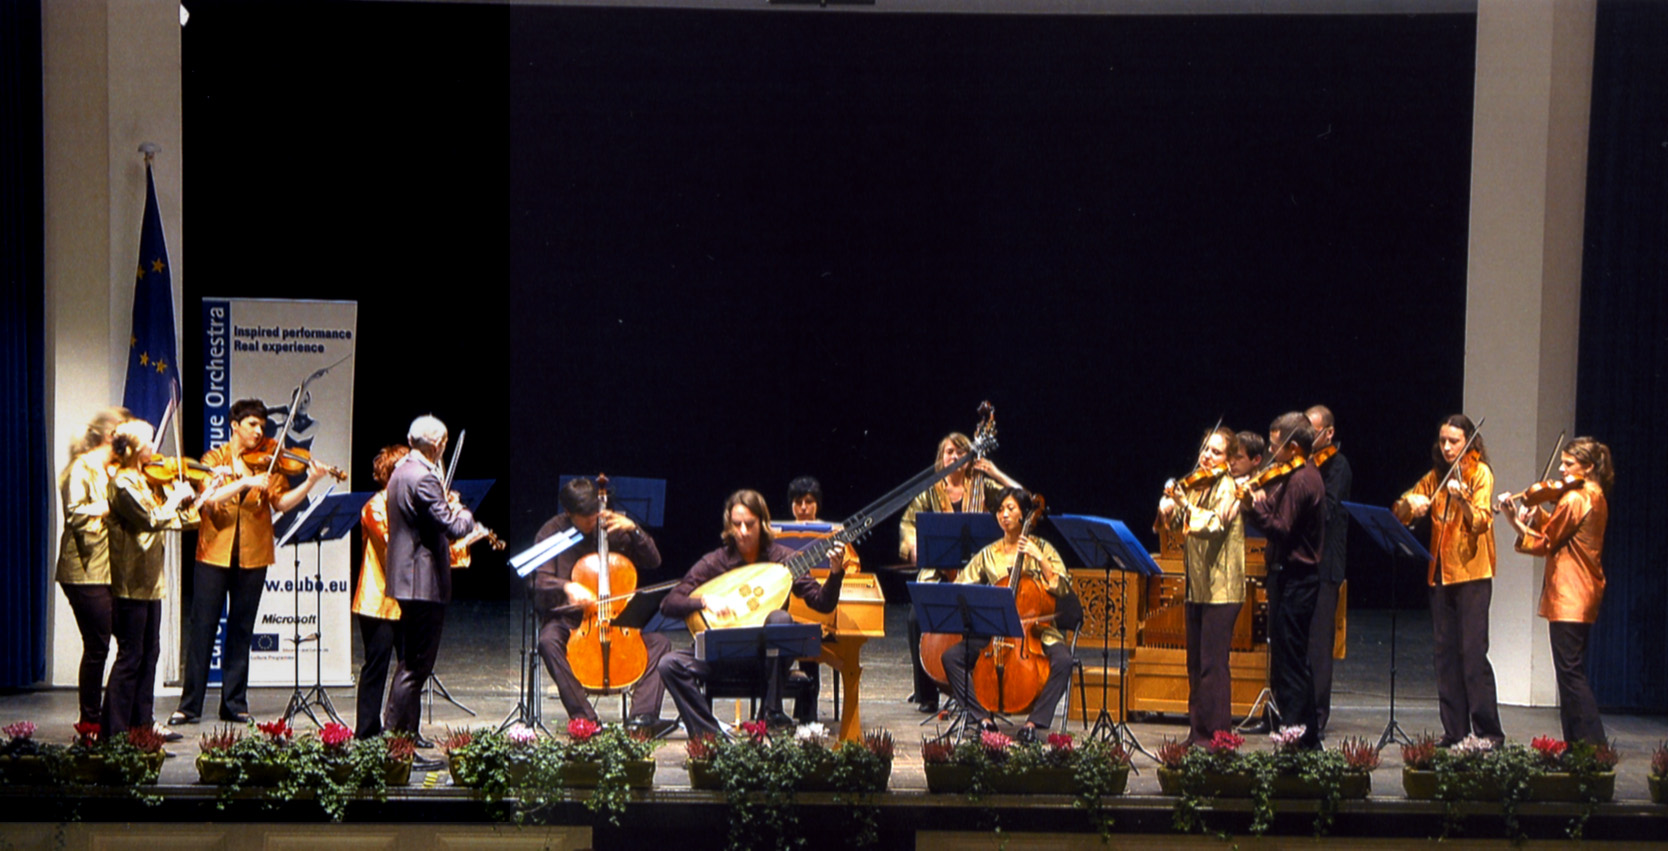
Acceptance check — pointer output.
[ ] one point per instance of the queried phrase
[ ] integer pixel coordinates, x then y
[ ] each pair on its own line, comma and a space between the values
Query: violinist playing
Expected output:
1335, 473
1206, 512
140, 511
234, 548
1454, 493
1571, 538
991, 566
1288, 503
552, 588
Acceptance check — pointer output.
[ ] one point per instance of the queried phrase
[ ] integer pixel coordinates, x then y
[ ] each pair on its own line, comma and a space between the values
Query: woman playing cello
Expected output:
1207, 514
991, 566
1454, 494
1571, 538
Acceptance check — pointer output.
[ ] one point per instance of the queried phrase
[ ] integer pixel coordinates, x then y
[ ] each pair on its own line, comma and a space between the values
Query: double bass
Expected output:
606, 659
1010, 671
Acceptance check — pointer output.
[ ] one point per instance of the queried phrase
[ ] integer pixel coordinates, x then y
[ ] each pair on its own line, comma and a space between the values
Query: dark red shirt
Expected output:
821, 597
1293, 518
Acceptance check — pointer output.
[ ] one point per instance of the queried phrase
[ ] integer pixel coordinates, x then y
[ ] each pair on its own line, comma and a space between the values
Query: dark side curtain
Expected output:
24, 460
1624, 345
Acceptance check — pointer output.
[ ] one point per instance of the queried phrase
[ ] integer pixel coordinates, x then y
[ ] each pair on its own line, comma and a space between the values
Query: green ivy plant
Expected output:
1320, 769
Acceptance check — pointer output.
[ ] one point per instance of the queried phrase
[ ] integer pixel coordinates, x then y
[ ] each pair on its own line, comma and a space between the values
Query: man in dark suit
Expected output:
422, 522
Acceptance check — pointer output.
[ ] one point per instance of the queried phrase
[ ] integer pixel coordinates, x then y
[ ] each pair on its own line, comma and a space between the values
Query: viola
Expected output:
1010, 672
293, 461
606, 659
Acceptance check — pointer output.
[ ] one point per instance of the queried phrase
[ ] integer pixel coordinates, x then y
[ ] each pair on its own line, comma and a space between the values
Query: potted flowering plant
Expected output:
610, 760
499, 762
1659, 772
760, 775
1476, 769
994, 762
24, 761
809, 761
1220, 769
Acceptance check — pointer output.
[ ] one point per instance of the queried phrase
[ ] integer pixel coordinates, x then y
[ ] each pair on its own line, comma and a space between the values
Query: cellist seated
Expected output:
1043, 570
552, 589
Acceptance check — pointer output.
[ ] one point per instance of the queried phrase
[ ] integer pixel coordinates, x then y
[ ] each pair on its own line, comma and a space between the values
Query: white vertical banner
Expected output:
265, 349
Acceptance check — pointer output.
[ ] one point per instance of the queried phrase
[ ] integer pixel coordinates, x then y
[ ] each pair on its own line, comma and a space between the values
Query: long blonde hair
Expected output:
100, 429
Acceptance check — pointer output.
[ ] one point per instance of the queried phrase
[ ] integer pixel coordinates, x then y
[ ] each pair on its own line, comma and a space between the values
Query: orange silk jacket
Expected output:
1466, 542
1572, 539
246, 518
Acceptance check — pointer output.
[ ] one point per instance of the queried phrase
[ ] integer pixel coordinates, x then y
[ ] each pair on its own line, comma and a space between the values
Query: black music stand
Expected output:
470, 493
1109, 545
528, 710
756, 647
947, 540
1395, 539
326, 518
972, 611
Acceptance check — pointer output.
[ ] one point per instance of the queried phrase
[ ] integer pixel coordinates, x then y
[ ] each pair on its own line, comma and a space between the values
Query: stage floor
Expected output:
479, 665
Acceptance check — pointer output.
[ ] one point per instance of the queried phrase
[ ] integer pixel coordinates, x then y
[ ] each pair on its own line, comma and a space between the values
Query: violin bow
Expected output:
1200, 452
457, 452
1454, 467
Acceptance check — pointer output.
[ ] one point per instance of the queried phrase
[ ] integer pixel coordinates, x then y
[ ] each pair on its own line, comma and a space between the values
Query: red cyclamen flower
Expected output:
580, 729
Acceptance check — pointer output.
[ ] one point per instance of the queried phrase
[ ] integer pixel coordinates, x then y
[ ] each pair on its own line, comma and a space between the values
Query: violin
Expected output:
1541, 493
606, 659
1323, 455
1010, 672
161, 470
1176, 490
293, 461
1267, 476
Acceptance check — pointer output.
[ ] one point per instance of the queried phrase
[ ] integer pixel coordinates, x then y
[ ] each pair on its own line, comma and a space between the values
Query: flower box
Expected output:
1655, 784
95, 770
1040, 780
26, 770
1353, 784
588, 775
1551, 786
703, 778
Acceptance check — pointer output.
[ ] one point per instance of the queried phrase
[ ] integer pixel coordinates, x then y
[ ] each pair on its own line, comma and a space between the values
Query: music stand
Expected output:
528, 710
326, 518
1109, 545
757, 645
470, 493
972, 611
1394, 538
947, 540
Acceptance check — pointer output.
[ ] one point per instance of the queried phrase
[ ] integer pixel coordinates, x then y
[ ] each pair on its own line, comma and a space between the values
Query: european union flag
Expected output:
152, 361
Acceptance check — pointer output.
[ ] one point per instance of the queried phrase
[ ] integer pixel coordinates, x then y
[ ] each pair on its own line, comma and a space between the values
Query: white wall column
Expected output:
112, 81
1528, 194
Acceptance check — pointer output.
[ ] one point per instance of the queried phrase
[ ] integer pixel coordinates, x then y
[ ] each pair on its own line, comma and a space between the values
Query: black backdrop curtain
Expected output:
23, 453
1624, 344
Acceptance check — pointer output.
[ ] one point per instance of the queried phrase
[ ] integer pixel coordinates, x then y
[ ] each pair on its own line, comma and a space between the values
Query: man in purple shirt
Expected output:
747, 540
1291, 512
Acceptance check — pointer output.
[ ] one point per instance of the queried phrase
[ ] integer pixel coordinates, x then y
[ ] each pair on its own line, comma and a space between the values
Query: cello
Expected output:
606, 659
1010, 671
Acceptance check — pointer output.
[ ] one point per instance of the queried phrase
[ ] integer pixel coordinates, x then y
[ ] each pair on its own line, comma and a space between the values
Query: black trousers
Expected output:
1323, 632
1465, 691
1210, 635
683, 676
239, 590
417, 641
646, 693
958, 662
377, 636
94, 612
130, 696
1291, 610
1577, 707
